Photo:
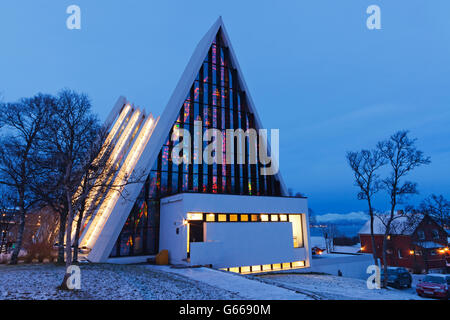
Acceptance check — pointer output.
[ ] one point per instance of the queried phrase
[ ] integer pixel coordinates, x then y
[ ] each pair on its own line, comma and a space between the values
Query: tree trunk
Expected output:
19, 240
68, 240
77, 238
385, 279
372, 236
62, 231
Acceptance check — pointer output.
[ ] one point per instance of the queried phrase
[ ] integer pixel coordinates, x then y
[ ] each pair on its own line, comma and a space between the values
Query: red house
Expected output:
417, 243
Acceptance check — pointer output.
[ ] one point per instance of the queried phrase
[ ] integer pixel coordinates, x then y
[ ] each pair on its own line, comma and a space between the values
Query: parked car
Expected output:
397, 277
434, 285
317, 250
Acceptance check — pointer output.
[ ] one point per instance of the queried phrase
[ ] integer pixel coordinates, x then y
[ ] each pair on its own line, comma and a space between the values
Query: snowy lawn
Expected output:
104, 282
330, 287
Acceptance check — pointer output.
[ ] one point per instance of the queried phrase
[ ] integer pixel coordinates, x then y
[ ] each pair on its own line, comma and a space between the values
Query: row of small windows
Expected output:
266, 267
230, 217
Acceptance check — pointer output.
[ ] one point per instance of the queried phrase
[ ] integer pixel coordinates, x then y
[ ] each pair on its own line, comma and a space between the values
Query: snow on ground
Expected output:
240, 285
104, 282
148, 282
330, 287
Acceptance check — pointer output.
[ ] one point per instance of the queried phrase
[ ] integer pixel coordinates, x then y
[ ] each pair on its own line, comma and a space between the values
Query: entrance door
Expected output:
196, 231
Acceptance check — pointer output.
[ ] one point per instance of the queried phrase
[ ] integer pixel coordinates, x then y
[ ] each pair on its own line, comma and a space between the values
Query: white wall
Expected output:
233, 244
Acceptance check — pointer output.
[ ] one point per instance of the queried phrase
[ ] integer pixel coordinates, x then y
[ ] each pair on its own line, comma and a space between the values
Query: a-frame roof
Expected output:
183, 87
118, 216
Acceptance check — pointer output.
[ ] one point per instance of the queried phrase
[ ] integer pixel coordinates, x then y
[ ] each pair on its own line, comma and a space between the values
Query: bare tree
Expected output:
329, 232
79, 165
365, 165
69, 138
7, 218
52, 195
437, 207
96, 174
22, 122
402, 157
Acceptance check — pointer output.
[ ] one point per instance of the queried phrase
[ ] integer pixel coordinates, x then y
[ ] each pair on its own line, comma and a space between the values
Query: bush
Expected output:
39, 251
41, 230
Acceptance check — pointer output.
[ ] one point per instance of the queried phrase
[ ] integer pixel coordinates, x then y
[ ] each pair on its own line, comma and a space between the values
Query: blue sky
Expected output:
313, 68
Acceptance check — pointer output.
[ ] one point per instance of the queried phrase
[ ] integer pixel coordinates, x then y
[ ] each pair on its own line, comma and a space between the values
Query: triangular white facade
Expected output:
101, 233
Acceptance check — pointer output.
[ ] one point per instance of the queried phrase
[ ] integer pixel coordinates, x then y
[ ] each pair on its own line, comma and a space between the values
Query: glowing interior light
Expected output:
115, 128
195, 216
117, 151
109, 138
125, 171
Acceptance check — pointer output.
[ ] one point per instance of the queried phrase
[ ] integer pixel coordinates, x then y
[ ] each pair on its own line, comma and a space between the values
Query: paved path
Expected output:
240, 285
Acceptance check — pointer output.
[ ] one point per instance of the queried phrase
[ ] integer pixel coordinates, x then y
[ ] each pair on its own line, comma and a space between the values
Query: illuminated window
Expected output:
236, 270
266, 267
273, 217
256, 268
298, 264
244, 217
286, 265
254, 217
195, 216
222, 217
297, 233
276, 266
245, 269
188, 237
233, 217
264, 217
283, 217
211, 217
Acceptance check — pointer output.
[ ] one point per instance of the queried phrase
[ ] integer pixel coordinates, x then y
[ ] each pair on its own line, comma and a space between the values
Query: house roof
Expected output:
402, 224
429, 245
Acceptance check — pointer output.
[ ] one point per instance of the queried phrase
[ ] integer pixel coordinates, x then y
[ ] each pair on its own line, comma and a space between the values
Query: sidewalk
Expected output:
245, 288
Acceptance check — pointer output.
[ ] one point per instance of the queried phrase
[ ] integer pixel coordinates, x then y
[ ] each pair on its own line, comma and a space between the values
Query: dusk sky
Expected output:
313, 68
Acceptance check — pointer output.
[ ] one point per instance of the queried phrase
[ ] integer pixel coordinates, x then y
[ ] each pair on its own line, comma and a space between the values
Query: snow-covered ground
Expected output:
141, 282
329, 287
104, 282
242, 286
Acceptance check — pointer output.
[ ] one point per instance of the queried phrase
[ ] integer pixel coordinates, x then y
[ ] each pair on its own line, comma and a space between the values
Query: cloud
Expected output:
357, 216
